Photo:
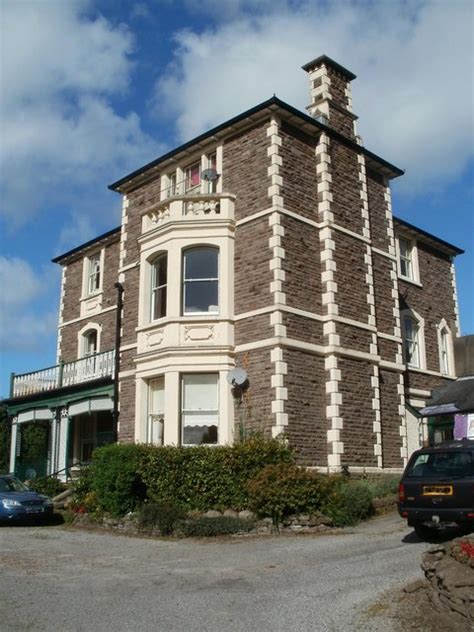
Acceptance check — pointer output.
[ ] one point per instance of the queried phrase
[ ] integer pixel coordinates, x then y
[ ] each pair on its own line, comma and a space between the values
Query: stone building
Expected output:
266, 243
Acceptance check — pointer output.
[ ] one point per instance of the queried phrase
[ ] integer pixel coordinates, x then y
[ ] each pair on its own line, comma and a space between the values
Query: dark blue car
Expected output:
17, 502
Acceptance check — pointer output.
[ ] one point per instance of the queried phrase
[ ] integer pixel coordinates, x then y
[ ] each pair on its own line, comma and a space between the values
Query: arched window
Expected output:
89, 345
159, 281
445, 348
413, 327
201, 280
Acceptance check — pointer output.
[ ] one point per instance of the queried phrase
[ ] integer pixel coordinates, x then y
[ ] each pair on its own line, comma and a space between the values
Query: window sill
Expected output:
86, 297
407, 280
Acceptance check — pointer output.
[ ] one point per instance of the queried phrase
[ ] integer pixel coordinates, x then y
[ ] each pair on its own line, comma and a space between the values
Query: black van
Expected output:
437, 488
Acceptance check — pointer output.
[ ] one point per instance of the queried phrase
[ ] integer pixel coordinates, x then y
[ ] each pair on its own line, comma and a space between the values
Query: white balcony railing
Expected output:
193, 206
87, 369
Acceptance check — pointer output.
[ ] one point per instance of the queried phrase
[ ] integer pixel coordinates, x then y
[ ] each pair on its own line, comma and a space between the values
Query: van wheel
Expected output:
423, 531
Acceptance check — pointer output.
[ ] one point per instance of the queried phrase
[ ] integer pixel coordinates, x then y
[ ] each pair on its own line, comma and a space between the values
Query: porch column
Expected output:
13, 445
63, 441
53, 463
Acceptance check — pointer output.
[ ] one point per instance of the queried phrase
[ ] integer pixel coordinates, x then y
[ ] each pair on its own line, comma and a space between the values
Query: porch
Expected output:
60, 415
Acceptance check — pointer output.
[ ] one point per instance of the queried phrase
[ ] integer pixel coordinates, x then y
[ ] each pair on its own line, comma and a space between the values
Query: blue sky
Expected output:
91, 90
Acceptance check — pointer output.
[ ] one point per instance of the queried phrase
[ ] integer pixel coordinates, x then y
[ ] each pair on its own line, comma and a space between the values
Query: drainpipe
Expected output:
118, 326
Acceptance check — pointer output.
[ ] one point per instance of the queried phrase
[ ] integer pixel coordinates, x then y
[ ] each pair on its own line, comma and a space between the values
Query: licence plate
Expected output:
437, 490
33, 510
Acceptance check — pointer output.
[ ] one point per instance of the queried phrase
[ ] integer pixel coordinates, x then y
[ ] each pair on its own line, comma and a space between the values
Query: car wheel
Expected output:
424, 532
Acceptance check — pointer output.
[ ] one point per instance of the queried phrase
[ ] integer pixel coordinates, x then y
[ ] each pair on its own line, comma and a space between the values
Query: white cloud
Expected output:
60, 71
23, 324
413, 61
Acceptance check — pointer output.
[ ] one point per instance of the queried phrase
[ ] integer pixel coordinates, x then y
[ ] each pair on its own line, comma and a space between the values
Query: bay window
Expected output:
199, 408
200, 280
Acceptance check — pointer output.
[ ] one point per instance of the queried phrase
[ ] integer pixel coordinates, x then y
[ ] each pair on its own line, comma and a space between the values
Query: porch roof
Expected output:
455, 397
61, 396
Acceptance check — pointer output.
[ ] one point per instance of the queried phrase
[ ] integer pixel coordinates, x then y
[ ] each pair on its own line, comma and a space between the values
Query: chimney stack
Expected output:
331, 101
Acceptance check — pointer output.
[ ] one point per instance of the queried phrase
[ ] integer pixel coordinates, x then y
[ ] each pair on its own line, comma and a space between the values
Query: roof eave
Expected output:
273, 104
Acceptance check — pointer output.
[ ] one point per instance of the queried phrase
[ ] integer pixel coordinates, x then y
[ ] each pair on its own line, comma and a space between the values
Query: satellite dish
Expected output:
210, 175
237, 377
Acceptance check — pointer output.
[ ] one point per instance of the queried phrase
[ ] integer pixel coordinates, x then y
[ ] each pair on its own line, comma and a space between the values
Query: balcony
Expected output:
189, 207
93, 367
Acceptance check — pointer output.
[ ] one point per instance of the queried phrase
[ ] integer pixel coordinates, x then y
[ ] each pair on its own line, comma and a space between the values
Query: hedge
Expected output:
203, 478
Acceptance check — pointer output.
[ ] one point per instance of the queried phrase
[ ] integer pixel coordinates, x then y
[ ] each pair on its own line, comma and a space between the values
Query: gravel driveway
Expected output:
63, 579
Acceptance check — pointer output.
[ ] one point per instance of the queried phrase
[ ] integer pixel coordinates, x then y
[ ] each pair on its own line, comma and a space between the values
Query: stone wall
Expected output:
449, 570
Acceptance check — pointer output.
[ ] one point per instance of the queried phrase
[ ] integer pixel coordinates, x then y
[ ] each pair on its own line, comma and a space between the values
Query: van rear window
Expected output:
445, 464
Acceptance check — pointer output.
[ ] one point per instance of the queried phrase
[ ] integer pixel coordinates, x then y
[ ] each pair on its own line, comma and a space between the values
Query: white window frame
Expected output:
156, 288
187, 177
94, 274
88, 274
211, 163
445, 348
156, 416
82, 337
409, 314
184, 281
189, 411
412, 259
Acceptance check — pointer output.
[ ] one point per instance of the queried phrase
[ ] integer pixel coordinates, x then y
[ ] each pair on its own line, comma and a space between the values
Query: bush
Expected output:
48, 486
203, 478
284, 489
115, 477
383, 484
349, 502
209, 527
161, 515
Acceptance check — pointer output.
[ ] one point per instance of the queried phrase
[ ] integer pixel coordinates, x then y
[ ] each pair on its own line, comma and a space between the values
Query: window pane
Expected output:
201, 263
157, 396
199, 435
160, 269
201, 296
193, 176
159, 303
159, 280
200, 392
200, 408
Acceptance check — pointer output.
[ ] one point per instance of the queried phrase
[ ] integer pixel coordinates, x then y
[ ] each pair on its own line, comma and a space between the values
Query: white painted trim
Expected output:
416, 392
388, 255
133, 345
420, 322
455, 298
90, 326
96, 315
130, 266
413, 257
129, 373
443, 327
389, 337
283, 211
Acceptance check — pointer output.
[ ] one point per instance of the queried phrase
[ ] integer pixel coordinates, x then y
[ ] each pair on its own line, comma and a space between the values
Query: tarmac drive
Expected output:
60, 579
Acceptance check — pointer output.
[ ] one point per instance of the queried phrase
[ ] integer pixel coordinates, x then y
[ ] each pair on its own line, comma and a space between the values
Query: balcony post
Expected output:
12, 380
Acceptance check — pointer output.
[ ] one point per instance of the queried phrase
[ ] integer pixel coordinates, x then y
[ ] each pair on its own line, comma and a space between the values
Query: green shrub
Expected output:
284, 489
383, 484
349, 502
221, 525
48, 486
202, 478
162, 515
116, 480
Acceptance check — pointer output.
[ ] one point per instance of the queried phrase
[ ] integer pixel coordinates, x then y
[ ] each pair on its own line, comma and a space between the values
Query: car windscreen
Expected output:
449, 464
12, 484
